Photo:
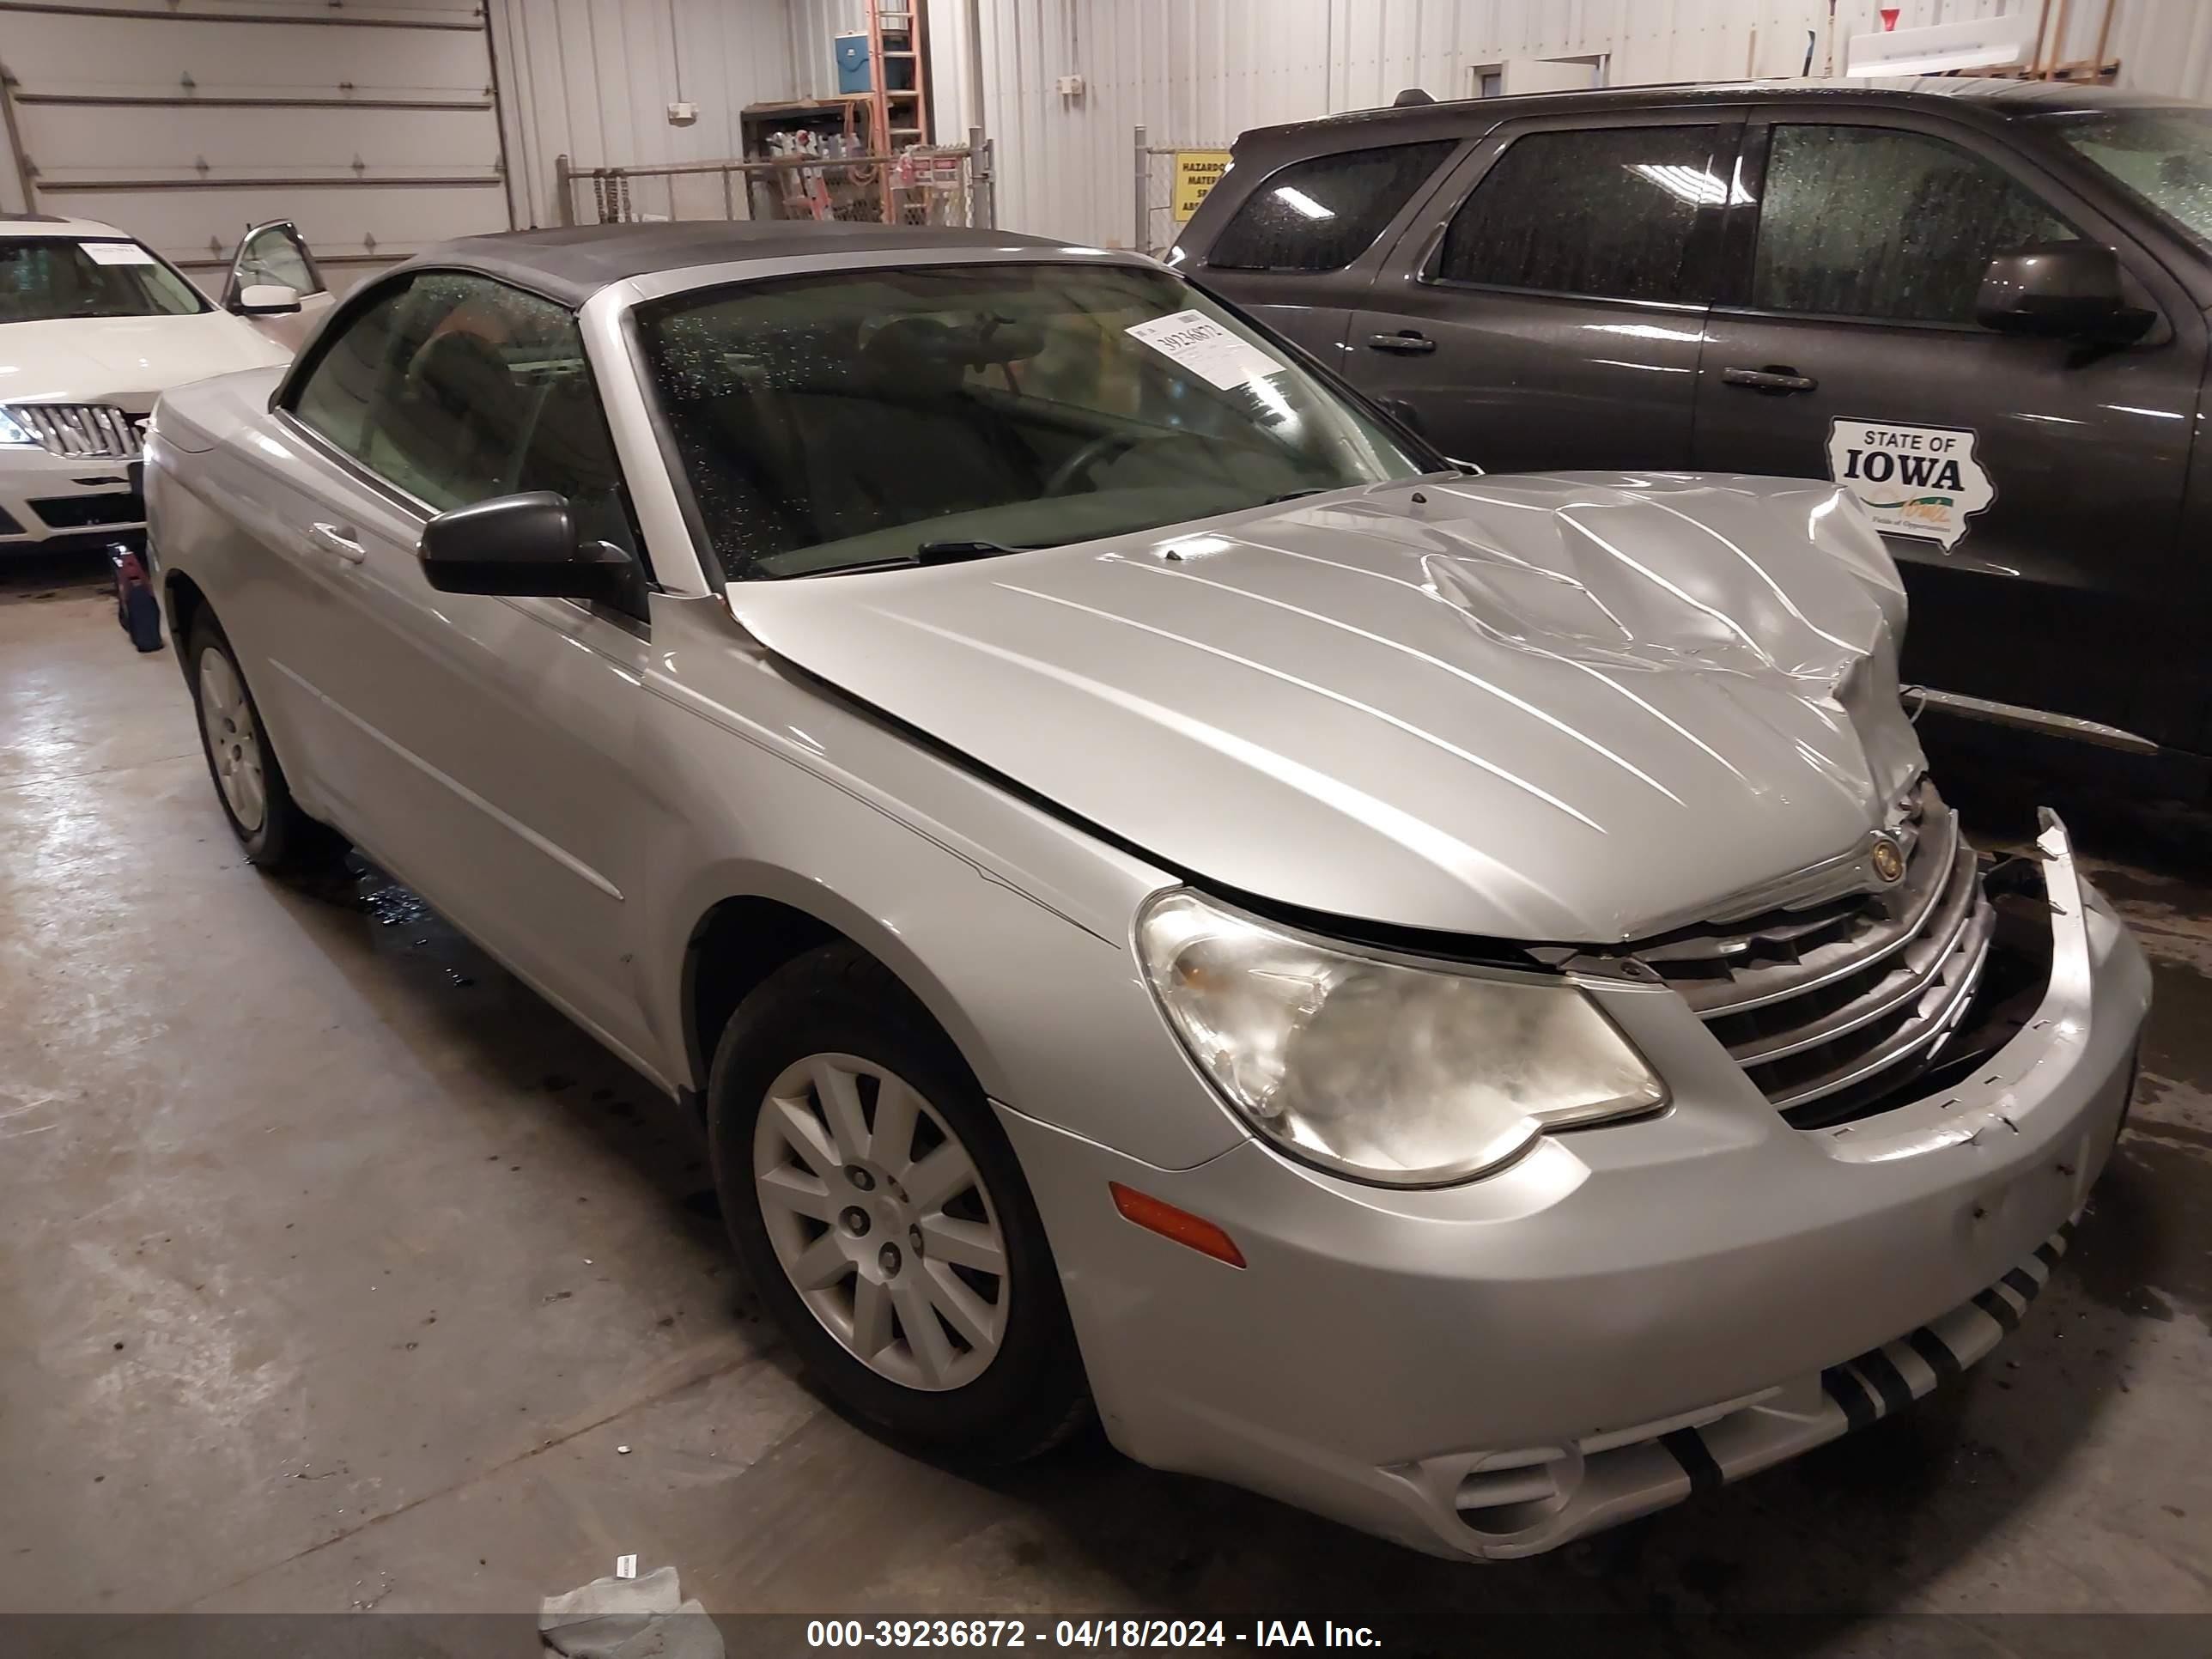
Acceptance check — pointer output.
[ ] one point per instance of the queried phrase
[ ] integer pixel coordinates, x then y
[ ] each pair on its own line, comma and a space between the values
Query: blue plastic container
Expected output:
853, 63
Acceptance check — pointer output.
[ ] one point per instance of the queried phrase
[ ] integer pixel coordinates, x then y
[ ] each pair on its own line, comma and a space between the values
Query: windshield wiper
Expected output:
928, 553
955, 552
1293, 495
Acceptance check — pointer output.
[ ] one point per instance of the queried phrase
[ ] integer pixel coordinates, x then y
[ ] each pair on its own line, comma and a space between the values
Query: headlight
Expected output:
1404, 1075
13, 431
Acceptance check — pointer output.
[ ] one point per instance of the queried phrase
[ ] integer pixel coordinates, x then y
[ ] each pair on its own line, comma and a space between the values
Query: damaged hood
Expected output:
1572, 707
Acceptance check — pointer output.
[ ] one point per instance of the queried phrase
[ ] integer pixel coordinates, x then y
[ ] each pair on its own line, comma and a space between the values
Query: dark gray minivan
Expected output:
1979, 304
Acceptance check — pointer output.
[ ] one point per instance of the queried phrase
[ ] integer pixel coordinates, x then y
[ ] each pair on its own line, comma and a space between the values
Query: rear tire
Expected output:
276, 835
882, 1217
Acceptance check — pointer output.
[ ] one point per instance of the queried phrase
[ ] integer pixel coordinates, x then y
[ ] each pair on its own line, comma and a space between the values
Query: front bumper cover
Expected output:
49, 502
1525, 1503
1631, 1312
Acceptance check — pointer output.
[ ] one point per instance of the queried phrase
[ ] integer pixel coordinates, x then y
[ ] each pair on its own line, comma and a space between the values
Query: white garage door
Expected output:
375, 128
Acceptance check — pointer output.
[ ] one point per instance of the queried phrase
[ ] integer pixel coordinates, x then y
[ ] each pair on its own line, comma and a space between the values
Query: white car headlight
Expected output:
13, 431
1404, 1075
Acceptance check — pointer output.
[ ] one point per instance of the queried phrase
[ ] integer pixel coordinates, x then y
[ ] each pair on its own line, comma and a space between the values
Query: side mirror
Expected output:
526, 547
266, 299
1404, 413
2058, 290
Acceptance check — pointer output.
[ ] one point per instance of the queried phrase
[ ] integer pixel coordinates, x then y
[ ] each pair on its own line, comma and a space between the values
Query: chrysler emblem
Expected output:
1887, 858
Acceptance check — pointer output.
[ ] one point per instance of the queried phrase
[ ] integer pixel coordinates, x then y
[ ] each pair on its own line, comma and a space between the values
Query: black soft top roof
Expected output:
575, 263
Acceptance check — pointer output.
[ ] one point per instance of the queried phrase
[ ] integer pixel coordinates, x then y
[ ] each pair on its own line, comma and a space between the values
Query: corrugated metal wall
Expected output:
592, 79
814, 24
373, 126
1198, 70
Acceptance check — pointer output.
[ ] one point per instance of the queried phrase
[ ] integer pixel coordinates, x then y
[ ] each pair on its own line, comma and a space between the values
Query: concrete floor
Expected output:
336, 1271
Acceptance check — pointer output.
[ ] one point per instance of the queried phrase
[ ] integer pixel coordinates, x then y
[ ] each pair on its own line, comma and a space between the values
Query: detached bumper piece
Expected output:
1506, 1504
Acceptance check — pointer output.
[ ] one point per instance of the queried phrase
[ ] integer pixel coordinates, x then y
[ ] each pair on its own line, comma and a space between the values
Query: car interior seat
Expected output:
901, 439
466, 419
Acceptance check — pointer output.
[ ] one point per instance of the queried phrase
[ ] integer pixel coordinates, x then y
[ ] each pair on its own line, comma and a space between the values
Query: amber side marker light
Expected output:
1156, 1215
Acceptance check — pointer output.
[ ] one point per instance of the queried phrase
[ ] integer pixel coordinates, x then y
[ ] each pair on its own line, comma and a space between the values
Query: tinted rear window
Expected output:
1607, 213
1323, 214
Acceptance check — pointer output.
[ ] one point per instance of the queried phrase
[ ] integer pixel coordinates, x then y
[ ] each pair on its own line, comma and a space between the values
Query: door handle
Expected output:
332, 538
1773, 378
1406, 340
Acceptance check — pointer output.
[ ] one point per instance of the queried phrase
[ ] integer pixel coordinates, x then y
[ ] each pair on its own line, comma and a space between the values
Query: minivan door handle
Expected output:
1406, 340
1774, 377
332, 539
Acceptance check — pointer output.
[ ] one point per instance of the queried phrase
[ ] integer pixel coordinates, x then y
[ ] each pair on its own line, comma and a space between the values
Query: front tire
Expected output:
276, 835
882, 1217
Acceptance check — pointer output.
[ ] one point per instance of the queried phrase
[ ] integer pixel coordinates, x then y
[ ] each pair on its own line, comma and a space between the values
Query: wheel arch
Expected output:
185, 601
741, 938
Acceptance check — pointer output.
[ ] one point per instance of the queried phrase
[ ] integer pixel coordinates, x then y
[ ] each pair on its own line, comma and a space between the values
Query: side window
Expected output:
457, 388
1878, 222
334, 399
1322, 214
277, 255
1607, 213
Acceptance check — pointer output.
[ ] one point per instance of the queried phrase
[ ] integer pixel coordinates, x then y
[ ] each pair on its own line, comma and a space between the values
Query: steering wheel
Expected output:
1103, 447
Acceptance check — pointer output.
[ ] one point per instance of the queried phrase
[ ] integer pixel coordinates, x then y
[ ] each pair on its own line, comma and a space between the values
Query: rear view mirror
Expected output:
526, 547
266, 299
2058, 290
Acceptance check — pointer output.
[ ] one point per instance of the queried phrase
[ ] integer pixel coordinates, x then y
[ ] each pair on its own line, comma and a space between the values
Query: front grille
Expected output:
88, 511
1830, 1009
81, 431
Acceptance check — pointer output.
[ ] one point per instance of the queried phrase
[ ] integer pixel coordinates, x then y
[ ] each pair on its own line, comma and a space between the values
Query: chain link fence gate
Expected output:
929, 184
1172, 179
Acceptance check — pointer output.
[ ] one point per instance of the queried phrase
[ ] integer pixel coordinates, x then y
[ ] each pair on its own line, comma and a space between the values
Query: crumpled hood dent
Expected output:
1569, 708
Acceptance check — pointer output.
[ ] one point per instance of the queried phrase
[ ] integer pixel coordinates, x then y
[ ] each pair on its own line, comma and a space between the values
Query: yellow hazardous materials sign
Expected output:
1196, 171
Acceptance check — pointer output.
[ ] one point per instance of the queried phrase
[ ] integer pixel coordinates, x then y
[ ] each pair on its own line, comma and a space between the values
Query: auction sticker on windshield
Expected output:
117, 254
1912, 480
1207, 349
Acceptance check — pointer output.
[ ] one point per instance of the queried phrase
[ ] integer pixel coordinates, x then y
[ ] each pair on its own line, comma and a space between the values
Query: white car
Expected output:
94, 325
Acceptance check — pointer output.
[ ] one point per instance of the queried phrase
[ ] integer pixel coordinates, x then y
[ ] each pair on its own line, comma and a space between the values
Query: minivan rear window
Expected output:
1322, 214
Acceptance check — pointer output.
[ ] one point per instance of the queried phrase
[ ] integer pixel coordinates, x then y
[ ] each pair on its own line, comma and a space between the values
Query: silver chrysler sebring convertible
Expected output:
1449, 999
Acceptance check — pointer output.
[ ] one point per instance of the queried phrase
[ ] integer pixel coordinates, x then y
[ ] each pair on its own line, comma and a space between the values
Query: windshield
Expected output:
2160, 154
43, 278
878, 416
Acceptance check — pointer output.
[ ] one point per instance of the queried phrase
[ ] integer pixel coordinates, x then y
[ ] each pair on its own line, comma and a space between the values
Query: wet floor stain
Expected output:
388, 903
704, 1203
2149, 1253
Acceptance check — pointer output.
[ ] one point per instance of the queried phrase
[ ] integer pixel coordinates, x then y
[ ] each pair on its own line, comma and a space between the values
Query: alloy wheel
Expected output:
881, 1221
234, 740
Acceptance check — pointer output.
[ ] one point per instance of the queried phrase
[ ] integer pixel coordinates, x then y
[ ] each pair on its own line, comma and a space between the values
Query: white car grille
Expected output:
86, 430
1832, 1008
